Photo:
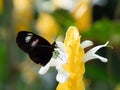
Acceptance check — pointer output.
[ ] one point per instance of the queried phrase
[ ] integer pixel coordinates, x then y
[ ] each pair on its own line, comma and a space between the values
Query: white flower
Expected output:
59, 58
91, 53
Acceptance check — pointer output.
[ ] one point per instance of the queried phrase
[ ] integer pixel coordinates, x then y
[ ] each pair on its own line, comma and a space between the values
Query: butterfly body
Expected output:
38, 48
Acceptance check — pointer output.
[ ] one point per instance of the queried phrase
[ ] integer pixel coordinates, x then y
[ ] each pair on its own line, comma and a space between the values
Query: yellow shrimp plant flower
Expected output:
69, 59
75, 64
76, 59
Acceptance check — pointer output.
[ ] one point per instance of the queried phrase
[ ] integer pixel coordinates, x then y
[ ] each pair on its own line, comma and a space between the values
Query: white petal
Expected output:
43, 69
62, 75
60, 54
91, 53
102, 58
86, 43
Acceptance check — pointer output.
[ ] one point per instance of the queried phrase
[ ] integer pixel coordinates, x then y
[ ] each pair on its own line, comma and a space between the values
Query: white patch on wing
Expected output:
27, 39
29, 36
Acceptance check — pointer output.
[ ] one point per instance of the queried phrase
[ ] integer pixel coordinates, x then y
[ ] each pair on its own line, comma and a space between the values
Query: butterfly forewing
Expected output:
27, 40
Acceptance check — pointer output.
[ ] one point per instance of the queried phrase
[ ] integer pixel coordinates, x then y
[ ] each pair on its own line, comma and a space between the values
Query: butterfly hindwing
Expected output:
27, 40
41, 54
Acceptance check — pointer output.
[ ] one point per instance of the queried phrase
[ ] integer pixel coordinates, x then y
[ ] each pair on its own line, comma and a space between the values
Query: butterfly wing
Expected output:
27, 40
41, 54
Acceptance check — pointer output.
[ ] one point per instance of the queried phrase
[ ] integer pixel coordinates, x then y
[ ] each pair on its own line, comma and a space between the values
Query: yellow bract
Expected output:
75, 65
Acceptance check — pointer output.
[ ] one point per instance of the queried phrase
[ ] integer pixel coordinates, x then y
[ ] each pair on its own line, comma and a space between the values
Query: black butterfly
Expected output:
38, 48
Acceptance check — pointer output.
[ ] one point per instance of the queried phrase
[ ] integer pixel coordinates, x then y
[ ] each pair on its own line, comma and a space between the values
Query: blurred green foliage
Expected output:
104, 30
3, 62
